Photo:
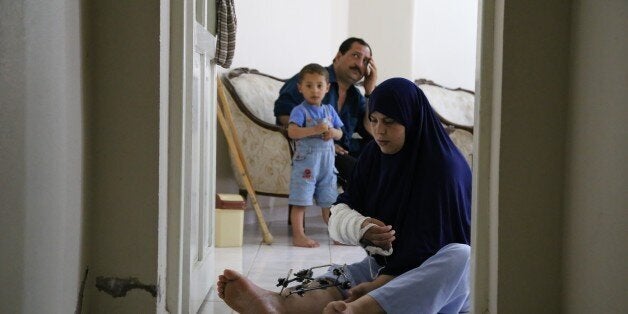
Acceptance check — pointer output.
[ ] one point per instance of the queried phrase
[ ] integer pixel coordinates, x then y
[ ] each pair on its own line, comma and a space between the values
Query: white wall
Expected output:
531, 138
445, 42
596, 211
388, 28
413, 39
279, 37
41, 156
122, 105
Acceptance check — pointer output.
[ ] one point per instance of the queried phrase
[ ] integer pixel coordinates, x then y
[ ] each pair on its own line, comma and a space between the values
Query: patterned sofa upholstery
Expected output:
266, 147
455, 108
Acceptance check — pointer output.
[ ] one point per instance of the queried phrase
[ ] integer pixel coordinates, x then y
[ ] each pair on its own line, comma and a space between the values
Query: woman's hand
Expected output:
359, 291
381, 235
366, 287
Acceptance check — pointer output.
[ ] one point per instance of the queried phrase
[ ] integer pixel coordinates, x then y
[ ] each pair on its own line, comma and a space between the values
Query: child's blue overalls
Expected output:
313, 174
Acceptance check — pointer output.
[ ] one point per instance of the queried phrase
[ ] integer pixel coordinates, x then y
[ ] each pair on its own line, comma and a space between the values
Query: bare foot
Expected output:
337, 307
245, 297
304, 241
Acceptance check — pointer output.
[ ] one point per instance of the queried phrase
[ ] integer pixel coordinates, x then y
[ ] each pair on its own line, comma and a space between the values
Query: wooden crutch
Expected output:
226, 123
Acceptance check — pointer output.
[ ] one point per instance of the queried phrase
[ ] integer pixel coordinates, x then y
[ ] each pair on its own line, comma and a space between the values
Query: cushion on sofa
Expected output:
453, 105
258, 93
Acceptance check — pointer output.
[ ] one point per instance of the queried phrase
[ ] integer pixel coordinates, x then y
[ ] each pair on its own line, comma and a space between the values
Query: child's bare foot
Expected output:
244, 296
304, 241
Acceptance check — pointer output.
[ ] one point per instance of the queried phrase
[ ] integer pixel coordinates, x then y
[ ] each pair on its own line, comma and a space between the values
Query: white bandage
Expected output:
378, 250
345, 227
344, 224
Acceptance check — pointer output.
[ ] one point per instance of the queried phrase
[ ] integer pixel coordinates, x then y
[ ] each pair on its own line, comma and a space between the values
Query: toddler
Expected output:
313, 125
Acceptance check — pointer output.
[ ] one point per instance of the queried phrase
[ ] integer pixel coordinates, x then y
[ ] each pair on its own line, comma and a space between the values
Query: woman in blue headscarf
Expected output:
415, 188
408, 205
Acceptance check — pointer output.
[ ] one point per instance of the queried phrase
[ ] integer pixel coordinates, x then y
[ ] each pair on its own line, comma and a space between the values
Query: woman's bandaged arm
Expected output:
345, 226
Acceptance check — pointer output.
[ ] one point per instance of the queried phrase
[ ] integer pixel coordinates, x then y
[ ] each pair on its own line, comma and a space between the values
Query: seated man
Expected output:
352, 63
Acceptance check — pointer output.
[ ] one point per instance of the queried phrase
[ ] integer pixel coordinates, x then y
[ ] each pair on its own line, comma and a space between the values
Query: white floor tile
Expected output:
344, 254
265, 264
215, 307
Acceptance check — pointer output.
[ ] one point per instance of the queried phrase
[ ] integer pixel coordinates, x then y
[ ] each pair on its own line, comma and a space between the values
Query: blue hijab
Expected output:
423, 191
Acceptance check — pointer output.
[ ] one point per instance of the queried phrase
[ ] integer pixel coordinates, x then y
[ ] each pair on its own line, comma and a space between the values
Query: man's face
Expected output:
352, 65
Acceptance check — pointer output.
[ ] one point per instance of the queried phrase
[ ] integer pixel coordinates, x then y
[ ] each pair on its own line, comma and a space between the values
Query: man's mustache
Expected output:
357, 69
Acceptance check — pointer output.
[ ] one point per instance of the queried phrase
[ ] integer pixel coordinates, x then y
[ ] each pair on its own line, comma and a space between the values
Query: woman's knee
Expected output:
457, 252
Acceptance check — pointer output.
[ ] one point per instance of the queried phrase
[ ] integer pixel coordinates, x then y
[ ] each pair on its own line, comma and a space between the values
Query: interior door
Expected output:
200, 167
191, 158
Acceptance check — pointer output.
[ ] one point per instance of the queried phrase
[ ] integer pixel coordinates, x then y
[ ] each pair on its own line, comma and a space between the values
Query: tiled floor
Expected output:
264, 264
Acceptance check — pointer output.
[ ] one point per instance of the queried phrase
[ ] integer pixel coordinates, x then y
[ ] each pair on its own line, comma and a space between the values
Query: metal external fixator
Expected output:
305, 277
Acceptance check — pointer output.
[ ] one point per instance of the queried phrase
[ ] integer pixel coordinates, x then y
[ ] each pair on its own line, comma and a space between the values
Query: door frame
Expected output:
179, 29
486, 147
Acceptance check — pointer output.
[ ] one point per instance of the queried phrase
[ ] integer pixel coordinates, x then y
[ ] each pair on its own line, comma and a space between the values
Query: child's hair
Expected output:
313, 68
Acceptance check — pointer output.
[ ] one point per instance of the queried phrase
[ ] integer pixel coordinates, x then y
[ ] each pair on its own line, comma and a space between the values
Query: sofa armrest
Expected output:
266, 147
463, 139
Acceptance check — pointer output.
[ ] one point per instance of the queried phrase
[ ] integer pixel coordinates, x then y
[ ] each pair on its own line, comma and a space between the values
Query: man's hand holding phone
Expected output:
370, 77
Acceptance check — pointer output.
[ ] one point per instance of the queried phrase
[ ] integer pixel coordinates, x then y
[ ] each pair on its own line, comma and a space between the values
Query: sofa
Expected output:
266, 148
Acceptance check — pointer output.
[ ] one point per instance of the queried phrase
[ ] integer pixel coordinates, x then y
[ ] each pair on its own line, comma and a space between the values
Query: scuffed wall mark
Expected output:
79, 302
118, 287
